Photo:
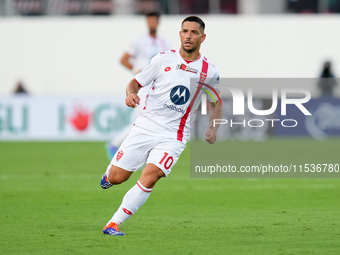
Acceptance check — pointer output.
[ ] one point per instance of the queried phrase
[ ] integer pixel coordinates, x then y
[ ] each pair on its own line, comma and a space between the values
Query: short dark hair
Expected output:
153, 14
195, 19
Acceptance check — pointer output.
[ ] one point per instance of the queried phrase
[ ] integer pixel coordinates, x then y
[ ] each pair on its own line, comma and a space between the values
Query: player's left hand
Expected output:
210, 136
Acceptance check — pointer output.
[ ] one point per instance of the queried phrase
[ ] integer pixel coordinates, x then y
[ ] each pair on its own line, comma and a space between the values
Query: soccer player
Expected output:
143, 48
138, 55
161, 131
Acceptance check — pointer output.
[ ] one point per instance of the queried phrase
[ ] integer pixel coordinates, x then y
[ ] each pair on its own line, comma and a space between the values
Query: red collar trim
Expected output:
189, 61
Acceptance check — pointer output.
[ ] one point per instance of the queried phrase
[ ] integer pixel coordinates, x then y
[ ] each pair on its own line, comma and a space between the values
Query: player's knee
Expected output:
149, 180
118, 177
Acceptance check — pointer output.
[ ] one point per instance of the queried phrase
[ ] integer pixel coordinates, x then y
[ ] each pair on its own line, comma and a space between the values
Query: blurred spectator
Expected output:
334, 6
73, 7
100, 7
30, 7
327, 80
20, 89
303, 6
146, 6
143, 48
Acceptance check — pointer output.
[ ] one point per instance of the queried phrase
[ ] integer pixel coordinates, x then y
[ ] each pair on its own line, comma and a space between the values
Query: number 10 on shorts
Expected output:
167, 161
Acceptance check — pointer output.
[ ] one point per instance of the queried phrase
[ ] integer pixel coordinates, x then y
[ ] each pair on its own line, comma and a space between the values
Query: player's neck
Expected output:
153, 34
190, 56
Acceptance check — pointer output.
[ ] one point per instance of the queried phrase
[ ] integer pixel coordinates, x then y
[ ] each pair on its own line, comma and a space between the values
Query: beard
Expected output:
152, 31
193, 49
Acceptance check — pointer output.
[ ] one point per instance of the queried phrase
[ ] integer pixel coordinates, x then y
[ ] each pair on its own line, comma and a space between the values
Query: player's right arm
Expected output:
132, 99
125, 61
142, 79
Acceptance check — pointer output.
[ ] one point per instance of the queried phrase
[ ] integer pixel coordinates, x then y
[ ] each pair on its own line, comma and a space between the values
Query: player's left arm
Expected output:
215, 113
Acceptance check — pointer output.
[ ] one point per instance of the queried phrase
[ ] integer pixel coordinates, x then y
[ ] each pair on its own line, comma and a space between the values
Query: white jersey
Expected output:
144, 48
170, 99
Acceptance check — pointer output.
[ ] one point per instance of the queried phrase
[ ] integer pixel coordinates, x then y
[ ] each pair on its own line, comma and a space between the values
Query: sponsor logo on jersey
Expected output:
127, 211
186, 68
167, 69
174, 108
119, 154
179, 95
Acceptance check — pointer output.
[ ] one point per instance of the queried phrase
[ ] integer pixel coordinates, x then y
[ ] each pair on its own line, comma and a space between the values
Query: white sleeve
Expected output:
168, 46
133, 47
213, 81
165, 45
150, 72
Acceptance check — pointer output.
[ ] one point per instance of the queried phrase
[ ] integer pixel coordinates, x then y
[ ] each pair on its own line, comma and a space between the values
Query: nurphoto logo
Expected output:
239, 102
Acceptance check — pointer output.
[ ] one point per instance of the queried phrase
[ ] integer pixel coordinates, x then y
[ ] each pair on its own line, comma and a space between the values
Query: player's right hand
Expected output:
132, 100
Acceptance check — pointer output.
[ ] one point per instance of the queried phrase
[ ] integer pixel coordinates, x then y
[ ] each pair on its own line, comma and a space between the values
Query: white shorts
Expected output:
139, 149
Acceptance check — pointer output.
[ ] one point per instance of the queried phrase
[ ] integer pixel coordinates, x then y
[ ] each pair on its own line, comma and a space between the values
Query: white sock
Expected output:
132, 200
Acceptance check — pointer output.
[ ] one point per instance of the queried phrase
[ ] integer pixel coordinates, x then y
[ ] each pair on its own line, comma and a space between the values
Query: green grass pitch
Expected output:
51, 203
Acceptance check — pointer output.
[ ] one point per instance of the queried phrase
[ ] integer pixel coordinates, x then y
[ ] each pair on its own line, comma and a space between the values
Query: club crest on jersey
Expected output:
179, 95
119, 155
186, 68
203, 76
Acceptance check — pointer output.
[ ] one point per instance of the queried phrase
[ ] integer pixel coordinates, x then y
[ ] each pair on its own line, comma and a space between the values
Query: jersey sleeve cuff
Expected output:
138, 82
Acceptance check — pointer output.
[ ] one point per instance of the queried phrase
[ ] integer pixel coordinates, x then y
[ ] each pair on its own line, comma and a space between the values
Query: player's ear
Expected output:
203, 37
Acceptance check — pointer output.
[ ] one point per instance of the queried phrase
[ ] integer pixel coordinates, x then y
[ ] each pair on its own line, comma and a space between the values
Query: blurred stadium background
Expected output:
66, 54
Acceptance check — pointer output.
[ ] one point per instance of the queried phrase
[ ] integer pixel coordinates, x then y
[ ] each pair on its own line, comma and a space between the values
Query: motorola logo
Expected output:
179, 95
